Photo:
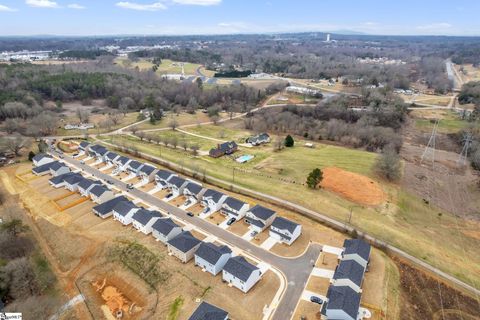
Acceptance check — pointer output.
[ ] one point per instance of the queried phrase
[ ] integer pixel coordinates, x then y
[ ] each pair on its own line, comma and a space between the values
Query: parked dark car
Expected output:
232, 220
130, 186
109, 181
190, 214
315, 299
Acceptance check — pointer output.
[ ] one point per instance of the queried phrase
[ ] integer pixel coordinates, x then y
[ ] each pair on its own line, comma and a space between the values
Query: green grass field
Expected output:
404, 220
449, 125
166, 67
125, 121
220, 132
181, 120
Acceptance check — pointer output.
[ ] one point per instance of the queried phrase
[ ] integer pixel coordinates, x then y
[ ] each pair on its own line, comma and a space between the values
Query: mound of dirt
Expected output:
353, 186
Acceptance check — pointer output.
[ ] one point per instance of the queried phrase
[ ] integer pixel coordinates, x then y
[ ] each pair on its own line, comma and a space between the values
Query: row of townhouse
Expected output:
344, 292
181, 244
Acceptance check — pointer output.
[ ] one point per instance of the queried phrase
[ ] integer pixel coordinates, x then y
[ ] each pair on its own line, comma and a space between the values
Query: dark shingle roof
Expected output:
143, 216
176, 181
84, 144
86, 183
193, 188
124, 207
350, 269
98, 190
262, 212
108, 206
234, 203
73, 179
134, 164
164, 174
357, 246
147, 169
343, 298
206, 311
256, 222
123, 160
61, 178
112, 155
284, 224
44, 167
56, 165
211, 253
40, 156
164, 226
184, 242
227, 146
213, 194
239, 267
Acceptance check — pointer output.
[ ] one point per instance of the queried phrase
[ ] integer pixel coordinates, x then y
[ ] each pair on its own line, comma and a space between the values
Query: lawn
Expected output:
220, 132
404, 220
181, 119
166, 67
97, 119
450, 122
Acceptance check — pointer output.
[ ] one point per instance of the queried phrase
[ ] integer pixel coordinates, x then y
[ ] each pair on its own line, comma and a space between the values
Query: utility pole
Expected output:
233, 174
467, 141
430, 148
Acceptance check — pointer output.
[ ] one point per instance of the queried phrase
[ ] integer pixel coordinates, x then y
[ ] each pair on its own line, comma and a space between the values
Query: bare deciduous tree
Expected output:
16, 143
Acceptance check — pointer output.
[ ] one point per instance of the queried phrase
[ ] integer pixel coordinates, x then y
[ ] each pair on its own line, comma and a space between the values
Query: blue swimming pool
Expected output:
244, 158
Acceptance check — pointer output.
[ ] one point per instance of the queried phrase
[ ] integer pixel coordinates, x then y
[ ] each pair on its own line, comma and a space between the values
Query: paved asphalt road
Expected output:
295, 270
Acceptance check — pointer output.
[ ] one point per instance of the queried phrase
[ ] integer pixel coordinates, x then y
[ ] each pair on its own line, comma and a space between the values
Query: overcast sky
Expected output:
176, 17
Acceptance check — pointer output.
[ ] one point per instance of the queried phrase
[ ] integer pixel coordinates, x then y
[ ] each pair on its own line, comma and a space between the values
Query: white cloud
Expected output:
435, 26
42, 3
75, 6
198, 2
6, 9
141, 7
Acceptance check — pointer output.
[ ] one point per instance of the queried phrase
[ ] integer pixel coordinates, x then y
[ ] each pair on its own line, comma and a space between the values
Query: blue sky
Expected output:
172, 17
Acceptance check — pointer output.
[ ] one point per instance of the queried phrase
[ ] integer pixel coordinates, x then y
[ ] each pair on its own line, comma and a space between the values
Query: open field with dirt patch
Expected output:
449, 121
181, 119
469, 72
166, 67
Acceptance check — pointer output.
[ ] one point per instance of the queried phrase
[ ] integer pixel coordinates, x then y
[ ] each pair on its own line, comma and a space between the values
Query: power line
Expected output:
467, 141
430, 148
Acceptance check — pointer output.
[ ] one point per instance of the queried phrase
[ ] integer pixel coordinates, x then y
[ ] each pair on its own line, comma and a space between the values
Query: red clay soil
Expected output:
424, 297
353, 186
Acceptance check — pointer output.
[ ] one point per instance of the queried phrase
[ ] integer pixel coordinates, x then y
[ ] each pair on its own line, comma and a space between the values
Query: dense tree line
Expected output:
83, 54
470, 93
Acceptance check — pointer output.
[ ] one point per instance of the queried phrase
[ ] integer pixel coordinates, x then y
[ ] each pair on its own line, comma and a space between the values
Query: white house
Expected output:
356, 249
192, 192
212, 200
207, 311
124, 212
105, 210
260, 218
241, 273
144, 219
165, 230
183, 246
234, 208
110, 157
83, 147
147, 172
259, 139
349, 273
57, 168
97, 151
212, 258
43, 169
86, 185
59, 181
71, 182
162, 177
99, 194
121, 163
41, 159
133, 167
176, 185
343, 303
284, 230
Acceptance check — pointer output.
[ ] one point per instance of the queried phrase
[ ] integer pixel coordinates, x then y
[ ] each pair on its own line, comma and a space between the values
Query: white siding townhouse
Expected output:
147, 173
144, 219
124, 212
44, 168
105, 209
358, 250
85, 186
183, 246
162, 177
241, 273
83, 147
59, 181
212, 200
100, 194
349, 273
176, 185
111, 156
234, 208
57, 168
165, 229
260, 218
97, 151
71, 182
192, 192
207, 311
211, 257
133, 167
343, 303
41, 159
284, 230
121, 163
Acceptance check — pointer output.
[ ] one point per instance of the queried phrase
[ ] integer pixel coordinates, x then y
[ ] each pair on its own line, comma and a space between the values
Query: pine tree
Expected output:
314, 178
289, 142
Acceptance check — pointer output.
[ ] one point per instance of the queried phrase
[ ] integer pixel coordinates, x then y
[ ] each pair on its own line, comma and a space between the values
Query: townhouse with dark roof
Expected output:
165, 229
240, 273
124, 212
162, 177
207, 311
99, 194
212, 200
356, 249
57, 168
147, 173
43, 169
41, 159
144, 219
86, 185
260, 218
342, 303
192, 191
183, 246
211, 257
105, 209
176, 185
349, 273
234, 208
284, 230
